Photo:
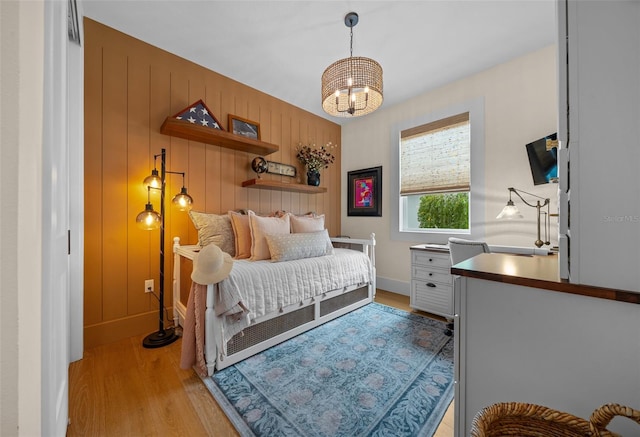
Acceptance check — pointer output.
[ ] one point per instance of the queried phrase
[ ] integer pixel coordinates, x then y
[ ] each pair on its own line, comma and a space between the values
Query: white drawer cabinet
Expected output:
431, 280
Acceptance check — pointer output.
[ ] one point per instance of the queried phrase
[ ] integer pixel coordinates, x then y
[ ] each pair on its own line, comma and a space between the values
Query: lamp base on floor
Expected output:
160, 338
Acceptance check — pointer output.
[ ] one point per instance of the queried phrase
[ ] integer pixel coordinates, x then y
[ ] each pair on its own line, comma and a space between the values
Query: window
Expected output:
403, 224
435, 175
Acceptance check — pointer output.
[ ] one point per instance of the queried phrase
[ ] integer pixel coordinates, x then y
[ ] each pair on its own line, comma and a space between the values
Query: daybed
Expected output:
284, 298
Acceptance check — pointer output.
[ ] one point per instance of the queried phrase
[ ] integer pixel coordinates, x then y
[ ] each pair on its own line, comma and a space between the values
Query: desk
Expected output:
533, 271
524, 335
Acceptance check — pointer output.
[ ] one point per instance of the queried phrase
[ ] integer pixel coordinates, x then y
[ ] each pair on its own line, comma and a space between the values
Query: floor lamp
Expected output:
149, 220
511, 211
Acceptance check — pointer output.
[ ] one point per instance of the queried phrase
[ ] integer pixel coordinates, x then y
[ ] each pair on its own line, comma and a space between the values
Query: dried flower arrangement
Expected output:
316, 158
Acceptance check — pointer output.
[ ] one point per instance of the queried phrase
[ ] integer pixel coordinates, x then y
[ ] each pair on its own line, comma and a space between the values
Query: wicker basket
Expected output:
530, 420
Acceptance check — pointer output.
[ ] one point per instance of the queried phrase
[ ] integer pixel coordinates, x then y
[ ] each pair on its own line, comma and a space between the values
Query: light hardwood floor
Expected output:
126, 390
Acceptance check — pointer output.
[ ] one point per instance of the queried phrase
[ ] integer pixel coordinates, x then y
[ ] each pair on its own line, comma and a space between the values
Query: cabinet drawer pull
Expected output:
431, 284
430, 260
430, 274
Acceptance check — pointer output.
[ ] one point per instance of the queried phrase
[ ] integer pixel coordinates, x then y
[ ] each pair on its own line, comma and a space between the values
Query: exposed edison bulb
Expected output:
337, 93
366, 90
353, 97
350, 81
148, 219
153, 180
182, 200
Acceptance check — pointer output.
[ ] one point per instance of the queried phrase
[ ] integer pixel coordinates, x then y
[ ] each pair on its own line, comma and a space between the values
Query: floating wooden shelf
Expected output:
264, 184
216, 137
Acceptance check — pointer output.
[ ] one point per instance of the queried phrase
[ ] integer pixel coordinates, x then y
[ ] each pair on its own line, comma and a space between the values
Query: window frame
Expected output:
476, 230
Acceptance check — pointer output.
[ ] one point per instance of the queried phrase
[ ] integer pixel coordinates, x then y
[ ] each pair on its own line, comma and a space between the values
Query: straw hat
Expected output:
211, 265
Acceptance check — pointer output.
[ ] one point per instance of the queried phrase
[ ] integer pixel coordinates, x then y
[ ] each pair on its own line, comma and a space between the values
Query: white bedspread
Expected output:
266, 286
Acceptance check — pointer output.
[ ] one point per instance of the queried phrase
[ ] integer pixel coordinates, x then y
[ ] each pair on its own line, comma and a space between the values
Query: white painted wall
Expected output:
21, 71
520, 105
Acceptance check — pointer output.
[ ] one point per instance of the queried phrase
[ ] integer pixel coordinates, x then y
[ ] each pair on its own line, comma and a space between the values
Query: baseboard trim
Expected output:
393, 285
119, 329
146, 323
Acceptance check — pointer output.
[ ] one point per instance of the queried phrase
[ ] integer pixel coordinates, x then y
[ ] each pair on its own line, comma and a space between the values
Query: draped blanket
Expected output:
193, 331
234, 317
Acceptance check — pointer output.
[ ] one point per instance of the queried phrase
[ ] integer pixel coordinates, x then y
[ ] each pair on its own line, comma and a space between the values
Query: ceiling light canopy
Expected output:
352, 86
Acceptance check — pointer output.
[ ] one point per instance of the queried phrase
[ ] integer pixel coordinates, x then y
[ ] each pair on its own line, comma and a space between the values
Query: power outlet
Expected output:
148, 285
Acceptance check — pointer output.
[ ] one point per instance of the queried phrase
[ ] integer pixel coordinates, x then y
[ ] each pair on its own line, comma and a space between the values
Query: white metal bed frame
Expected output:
218, 360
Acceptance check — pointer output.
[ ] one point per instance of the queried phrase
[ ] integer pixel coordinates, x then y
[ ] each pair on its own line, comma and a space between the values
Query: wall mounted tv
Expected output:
543, 162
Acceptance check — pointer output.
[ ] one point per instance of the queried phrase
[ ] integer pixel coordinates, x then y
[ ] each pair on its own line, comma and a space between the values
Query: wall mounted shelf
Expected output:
215, 137
265, 184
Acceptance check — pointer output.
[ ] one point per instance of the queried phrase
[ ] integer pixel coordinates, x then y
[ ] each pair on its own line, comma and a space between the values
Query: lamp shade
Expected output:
510, 211
182, 200
352, 87
153, 180
148, 219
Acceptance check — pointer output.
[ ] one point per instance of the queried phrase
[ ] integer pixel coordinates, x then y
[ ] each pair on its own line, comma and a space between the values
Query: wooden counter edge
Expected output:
561, 286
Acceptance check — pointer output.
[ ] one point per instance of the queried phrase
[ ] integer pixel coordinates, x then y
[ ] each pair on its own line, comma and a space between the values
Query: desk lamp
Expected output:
510, 211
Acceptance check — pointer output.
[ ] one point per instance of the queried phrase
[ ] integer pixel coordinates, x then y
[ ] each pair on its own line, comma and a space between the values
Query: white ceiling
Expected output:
282, 47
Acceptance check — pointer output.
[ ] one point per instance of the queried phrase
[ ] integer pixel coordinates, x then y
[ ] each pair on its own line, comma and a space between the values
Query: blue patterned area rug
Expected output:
377, 371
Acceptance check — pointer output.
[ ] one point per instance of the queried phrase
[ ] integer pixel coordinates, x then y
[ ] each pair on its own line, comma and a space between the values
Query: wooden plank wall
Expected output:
130, 88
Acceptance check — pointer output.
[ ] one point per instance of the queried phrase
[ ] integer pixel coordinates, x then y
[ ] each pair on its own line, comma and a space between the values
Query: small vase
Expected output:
313, 177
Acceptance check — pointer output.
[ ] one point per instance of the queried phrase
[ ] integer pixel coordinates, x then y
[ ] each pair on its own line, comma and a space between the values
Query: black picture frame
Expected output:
364, 196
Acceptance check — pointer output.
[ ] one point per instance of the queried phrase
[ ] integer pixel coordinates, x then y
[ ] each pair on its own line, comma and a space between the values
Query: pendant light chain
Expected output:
351, 45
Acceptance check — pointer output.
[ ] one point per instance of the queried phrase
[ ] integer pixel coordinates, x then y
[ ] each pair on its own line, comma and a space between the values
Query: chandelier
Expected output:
353, 85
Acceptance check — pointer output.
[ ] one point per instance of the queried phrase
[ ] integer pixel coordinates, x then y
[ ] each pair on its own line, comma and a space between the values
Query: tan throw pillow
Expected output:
310, 223
242, 234
287, 247
307, 223
214, 229
262, 226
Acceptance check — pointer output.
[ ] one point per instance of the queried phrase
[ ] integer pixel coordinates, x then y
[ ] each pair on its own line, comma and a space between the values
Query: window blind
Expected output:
435, 157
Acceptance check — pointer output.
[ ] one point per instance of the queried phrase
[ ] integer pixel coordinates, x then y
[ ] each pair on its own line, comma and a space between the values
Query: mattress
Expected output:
265, 286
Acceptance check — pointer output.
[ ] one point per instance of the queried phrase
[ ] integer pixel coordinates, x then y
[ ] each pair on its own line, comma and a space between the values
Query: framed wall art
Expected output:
365, 192
242, 126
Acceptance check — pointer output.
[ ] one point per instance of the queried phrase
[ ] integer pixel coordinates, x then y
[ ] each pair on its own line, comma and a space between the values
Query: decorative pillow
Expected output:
310, 223
281, 213
242, 234
261, 226
214, 228
307, 223
278, 213
286, 247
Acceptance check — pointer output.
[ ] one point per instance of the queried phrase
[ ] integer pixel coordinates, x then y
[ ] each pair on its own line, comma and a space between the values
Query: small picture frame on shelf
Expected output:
364, 195
243, 127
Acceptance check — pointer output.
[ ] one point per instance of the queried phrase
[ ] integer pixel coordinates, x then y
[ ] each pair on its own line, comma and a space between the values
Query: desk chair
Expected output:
459, 250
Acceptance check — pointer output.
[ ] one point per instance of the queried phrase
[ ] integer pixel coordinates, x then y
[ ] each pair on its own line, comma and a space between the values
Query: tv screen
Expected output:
543, 162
